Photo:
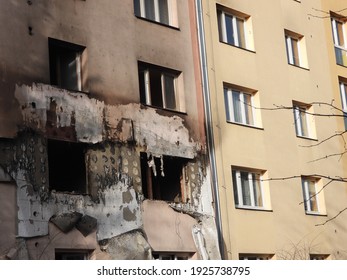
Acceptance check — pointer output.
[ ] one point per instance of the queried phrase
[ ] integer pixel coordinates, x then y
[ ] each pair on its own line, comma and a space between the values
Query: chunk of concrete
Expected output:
66, 221
86, 225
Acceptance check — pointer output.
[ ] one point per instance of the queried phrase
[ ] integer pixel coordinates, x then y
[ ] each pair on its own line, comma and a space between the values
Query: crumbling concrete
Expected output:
113, 209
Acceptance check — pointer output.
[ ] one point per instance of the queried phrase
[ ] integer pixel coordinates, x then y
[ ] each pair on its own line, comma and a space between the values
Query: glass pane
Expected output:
149, 9
226, 101
303, 121
163, 11
241, 32
295, 50
246, 195
237, 106
236, 195
248, 108
137, 8
312, 195
68, 71
155, 88
220, 23
169, 89
229, 29
340, 37
258, 199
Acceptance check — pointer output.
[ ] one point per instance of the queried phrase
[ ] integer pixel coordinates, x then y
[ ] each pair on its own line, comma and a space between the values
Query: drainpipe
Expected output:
208, 123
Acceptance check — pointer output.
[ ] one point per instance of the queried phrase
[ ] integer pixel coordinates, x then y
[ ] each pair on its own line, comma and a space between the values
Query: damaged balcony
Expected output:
105, 174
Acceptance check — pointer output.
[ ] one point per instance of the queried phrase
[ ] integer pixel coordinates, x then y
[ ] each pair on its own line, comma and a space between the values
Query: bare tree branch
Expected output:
329, 220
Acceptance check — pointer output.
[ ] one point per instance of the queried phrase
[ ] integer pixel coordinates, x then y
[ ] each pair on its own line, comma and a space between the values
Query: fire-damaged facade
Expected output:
102, 132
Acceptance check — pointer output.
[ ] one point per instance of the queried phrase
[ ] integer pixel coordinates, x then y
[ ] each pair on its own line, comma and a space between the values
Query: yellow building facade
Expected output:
275, 83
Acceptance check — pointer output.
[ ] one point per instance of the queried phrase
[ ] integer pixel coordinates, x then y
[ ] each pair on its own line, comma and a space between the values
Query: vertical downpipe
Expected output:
208, 123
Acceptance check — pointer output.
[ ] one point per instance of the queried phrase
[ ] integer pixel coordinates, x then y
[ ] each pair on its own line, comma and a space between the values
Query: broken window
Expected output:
61, 254
162, 178
159, 86
65, 64
67, 168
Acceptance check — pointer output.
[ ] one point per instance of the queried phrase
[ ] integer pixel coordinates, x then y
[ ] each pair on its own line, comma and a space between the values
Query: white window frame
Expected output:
334, 23
290, 50
305, 181
156, 10
340, 49
300, 123
163, 93
239, 194
234, 27
230, 110
343, 94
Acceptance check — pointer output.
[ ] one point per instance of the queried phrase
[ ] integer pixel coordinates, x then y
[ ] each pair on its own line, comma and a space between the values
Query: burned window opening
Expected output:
162, 178
61, 254
65, 64
67, 167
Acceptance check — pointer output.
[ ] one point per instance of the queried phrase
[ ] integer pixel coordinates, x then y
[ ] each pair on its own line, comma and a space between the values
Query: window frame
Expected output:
237, 33
293, 51
340, 49
343, 95
238, 191
140, 7
304, 120
146, 94
310, 196
301, 121
246, 110
56, 49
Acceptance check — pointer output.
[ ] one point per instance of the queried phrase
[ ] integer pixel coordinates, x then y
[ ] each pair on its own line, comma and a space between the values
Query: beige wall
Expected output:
274, 146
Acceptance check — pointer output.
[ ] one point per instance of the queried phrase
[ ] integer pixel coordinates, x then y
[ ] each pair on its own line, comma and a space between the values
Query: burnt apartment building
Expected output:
102, 133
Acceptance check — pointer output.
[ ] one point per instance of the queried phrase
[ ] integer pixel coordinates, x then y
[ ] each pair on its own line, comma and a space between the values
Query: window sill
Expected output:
300, 67
307, 138
71, 90
241, 48
246, 125
308, 213
250, 208
165, 109
158, 22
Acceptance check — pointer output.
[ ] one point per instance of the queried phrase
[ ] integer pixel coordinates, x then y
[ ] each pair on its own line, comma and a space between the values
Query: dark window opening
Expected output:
67, 167
65, 64
162, 178
158, 86
71, 255
171, 256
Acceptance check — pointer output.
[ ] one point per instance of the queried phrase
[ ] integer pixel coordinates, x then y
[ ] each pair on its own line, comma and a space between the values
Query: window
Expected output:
162, 178
65, 64
234, 28
239, 106
162, 11
67, 168
172, 256
295, 46
300, 119
255, 257
247, 188
319, 257
159, 87
313, 195
343, 92
339, 36
71, 254
303, 119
